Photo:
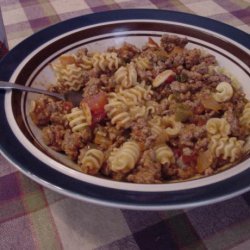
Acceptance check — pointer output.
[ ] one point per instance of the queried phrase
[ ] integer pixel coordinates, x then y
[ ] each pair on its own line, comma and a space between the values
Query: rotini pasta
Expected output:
227, 147
77, 120
118, 113
164, 154
92, 161
105, 61
124, 159
126, 76
171, 126
134, 96
143, 63
71, 76
245, 117
218, 126
224, 92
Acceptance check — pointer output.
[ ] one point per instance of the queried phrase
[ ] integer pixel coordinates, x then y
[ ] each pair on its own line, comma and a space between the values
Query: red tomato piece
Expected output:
177, 152
96, 104
170, 79
67, 106
190, 159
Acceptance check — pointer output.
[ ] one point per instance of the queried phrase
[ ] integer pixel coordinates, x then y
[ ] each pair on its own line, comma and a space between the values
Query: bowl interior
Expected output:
36, 71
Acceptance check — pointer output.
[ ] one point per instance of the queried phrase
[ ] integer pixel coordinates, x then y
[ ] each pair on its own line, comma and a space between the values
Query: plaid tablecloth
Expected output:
33, 217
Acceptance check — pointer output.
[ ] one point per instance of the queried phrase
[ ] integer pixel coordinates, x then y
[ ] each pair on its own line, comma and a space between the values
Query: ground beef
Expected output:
201, 144
201, 69
184, 96
238, 101
92, 87
145, 75
74, 141
216, 78
163, 106
185, 173
141, 132
192, 58
232, 119
190, 76
148, 171
47, 110
176, 60
169, 42
179, 87
53, 136
127, 52
208, 60
190, 134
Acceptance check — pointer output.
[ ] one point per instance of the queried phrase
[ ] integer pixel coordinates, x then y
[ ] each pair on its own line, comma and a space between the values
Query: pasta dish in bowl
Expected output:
154, 114
164, 116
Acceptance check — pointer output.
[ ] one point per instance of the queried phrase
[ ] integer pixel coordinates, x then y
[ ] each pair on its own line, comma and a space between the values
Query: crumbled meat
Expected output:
190, 134
127, 52
184, 96
47, 110
230, 116
208, 59
92, 87
179, 87
169, 171
169, 42
145, 75
148, 170
216, 78
142, 133
192, 58
176, 60
201, 144
53, 136
238, 101
73, 142
185, 173
191, 76
201, 69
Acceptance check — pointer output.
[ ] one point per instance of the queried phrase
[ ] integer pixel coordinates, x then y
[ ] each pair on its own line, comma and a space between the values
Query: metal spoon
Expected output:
72, 96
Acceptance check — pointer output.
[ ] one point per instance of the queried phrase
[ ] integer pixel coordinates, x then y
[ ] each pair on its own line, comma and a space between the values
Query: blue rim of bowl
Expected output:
14, 151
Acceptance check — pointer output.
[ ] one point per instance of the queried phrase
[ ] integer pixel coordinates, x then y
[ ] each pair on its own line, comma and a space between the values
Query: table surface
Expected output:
34, 217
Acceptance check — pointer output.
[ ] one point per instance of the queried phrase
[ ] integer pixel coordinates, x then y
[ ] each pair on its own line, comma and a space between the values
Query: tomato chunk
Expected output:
96, 105
190, 160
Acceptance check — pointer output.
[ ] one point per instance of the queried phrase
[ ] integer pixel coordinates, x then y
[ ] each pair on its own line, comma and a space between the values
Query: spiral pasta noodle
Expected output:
218, 126
171, 126
164, 154
105, 61
126, 76
155, 125
224, 92
143, 63
86, 63
92, 161
124, 159
70, 77
77, 120
136, 95
245, 117
118, 113
227, 147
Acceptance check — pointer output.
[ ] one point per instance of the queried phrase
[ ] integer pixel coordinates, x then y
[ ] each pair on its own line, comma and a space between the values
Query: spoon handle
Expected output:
9, 86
